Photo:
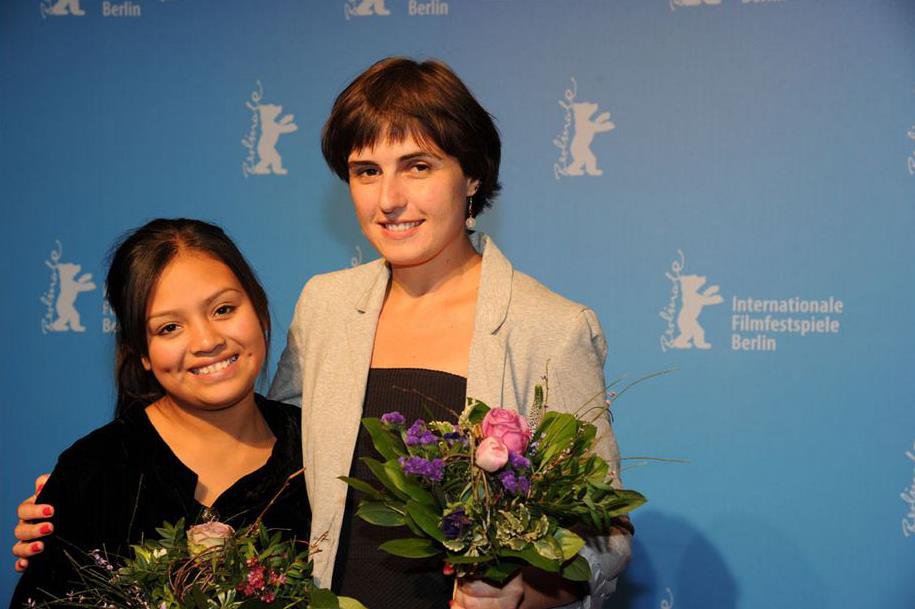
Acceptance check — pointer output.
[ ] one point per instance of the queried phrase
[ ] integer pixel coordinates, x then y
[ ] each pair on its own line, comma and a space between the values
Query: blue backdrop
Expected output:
730, 184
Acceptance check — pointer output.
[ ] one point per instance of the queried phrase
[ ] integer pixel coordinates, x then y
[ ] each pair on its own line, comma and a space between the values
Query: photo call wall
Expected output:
729, 184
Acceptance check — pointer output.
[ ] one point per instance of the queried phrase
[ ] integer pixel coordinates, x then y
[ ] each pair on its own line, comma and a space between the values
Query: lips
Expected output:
215, 366
400, 227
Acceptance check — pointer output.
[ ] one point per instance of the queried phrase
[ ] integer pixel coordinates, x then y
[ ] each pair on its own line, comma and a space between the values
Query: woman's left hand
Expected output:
478, 594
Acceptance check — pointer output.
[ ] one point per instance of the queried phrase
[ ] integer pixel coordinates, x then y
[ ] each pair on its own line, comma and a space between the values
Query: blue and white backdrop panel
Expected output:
730, 184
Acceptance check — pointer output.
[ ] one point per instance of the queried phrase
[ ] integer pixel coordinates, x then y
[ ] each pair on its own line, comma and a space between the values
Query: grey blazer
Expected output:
521, 331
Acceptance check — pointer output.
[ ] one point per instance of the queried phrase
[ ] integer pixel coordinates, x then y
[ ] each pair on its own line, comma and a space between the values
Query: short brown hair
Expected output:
399, 97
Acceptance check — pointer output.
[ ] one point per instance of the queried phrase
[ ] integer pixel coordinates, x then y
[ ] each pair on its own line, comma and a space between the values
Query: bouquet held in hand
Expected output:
490, 495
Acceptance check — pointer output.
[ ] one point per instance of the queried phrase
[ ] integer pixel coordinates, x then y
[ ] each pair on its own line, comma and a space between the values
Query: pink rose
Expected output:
203, 537
491, 455
509, 427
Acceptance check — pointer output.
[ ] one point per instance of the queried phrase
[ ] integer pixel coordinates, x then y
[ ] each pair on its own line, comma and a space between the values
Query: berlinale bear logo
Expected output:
60, 299
263, 134
364, 8
61, 8
683, 329
576, 157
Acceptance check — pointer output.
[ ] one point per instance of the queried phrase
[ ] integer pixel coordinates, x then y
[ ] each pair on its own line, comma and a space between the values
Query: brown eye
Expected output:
167, 329
225, 309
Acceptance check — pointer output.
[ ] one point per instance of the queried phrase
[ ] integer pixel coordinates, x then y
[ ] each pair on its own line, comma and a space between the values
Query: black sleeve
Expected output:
75, 489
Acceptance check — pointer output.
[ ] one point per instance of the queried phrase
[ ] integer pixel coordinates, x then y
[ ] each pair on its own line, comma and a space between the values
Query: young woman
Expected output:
442, 315
190, 439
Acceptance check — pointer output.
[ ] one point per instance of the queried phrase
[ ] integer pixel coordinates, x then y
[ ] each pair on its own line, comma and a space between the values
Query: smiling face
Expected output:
205, 342
410, 200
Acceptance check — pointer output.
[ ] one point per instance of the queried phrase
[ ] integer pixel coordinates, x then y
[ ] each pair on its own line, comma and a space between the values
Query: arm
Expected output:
577, 378
49, 569
287, 382
576, 384
30, 528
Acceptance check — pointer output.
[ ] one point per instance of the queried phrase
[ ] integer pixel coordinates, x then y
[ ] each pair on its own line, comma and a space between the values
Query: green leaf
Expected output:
380, 472
549, 548
410, 547
578, 570
468, 560
530, 555
569, 542
427, 519
376, 512
323, 599
499, 572
386, 442
363, 487
350, 603
407, 485
477, 411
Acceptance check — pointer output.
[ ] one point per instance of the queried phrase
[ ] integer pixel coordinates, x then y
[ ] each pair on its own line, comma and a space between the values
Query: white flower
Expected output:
203, 537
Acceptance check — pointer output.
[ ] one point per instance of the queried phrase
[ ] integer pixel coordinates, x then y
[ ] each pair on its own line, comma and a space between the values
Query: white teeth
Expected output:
214, 367
401, 226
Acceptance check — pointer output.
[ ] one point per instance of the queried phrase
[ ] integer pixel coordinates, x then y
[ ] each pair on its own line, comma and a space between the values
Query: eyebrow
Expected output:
403, 159
208, 301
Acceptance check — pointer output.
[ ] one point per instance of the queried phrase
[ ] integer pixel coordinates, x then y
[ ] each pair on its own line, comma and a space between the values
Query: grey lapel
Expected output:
486, 368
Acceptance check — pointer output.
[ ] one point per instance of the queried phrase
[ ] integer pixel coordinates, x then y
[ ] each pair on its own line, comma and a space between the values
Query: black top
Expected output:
113, 488
362, 570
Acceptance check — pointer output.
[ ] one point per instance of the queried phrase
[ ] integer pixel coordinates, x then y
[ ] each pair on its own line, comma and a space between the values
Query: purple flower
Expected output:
518, 461
424, 468
453, 436
419, 434
453, 524
516, 485
393, 418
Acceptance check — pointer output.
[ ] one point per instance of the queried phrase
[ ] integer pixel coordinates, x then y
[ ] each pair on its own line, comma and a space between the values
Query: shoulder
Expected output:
103, 446
326, 286
280, 411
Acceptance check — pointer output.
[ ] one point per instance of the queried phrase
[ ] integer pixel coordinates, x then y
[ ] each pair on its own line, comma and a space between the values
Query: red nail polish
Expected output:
47, 511
40, 486
45, 529
36, 547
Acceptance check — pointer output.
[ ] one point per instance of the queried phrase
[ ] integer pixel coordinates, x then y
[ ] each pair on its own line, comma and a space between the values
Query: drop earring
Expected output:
470, 222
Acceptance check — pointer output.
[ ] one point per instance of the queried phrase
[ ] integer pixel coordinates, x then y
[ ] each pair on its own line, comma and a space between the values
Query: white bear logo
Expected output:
691, 333
675, 3
364, 8
583, 159
576, 157
60, 299
271, 130
61, 8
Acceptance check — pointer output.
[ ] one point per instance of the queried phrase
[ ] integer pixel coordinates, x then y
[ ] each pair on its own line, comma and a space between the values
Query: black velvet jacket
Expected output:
113, 488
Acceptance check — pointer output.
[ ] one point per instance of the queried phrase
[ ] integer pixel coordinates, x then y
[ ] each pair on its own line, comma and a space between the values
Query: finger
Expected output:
40, 482
34, 511
24, 550
21, 565
29, 532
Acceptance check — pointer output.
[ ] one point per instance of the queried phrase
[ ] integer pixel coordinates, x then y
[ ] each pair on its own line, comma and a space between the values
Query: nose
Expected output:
206, 339
391, 197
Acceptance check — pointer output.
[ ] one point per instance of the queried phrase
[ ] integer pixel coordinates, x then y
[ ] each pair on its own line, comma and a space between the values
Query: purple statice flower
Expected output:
518, 461
453, 524
516, 485
424, 468
524, 486
418, 433
393, 418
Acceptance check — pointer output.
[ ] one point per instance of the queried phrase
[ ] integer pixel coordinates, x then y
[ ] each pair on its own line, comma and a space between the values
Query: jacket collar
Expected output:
494, 293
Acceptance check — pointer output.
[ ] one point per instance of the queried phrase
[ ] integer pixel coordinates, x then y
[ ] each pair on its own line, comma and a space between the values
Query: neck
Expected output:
241, 421
456, 261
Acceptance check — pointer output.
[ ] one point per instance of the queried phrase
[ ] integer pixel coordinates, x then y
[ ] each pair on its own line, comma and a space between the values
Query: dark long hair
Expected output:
137, 261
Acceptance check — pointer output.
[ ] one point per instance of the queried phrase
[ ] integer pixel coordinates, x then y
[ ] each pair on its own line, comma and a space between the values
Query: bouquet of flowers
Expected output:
487, 493
206, 566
